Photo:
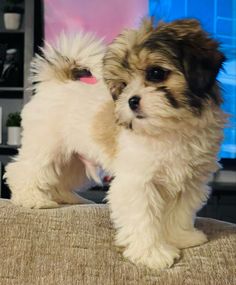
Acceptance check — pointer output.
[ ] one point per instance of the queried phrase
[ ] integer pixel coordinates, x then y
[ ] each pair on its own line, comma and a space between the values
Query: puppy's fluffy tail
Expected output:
63, 53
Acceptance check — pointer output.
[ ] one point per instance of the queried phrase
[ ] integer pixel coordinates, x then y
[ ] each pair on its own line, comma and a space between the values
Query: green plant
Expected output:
14, 120
13, 6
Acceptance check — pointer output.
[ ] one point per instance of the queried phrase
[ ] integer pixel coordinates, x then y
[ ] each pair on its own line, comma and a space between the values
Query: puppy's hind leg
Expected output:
31, 184
72, 176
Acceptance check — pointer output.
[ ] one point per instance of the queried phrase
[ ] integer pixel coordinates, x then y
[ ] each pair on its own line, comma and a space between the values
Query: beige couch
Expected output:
74, 245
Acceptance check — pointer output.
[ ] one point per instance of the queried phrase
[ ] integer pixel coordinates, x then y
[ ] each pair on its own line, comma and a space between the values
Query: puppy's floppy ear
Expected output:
201, 57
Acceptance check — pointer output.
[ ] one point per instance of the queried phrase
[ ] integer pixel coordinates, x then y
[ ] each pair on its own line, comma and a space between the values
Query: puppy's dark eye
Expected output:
156, 74
77, 73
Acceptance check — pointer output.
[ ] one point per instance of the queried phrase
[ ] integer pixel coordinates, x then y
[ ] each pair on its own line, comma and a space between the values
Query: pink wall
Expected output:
104, 17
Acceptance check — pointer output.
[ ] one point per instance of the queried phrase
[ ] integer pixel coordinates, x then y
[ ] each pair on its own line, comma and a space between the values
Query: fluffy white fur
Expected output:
56, 122
160, 175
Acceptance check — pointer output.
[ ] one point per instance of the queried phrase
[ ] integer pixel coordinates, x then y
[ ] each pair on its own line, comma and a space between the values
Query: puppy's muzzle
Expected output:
134, 103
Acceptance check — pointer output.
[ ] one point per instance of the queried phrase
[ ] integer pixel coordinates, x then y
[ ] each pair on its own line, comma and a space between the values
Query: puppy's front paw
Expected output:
159, 257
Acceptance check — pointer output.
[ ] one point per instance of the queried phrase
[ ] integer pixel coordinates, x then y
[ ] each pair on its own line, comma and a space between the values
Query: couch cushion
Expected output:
74, 245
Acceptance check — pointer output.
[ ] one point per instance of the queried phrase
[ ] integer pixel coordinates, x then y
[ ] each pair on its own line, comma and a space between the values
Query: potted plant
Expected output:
12, 14
14, 129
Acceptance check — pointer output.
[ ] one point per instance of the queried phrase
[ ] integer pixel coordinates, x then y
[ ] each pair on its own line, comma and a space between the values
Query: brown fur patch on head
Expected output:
105, 130
198, 54
181, 48
118, 59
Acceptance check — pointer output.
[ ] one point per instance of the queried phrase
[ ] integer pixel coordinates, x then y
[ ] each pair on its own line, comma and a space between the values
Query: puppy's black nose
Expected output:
134, 102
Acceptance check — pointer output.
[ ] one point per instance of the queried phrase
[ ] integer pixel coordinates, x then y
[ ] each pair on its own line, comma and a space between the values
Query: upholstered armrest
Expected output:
74, 245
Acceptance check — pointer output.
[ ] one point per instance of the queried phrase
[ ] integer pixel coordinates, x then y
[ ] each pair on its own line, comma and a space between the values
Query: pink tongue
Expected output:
89, 80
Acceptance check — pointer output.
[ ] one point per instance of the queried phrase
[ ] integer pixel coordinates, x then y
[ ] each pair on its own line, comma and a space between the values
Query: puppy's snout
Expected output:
134, 103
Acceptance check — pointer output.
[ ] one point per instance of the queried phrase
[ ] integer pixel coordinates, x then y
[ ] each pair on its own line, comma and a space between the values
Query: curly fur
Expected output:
161, 153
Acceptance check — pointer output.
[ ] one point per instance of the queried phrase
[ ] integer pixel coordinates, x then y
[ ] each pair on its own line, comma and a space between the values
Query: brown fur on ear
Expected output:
202, 62
194, 49
202, 58
181, 28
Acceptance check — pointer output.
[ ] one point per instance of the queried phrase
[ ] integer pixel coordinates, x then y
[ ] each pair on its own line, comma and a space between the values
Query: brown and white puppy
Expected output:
163, 82
159, 138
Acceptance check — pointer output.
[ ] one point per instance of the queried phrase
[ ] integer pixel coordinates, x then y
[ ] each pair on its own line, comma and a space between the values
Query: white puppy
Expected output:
159, 137
69, 91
